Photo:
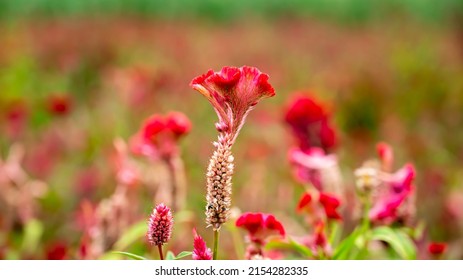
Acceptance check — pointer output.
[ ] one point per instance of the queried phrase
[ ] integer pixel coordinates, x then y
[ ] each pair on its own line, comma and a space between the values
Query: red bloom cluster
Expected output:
160, 225
200, 250
260, 226
233, 92
310, 123
158, 135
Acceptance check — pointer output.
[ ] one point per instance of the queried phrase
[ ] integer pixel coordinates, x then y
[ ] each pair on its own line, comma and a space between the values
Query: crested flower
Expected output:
158, 135
315, 167
200, 250
160, 225
260, 226
233, 92
310, 123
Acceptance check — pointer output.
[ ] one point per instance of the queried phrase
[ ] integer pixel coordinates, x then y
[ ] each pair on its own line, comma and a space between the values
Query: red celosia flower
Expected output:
310, 164
260, 226
200, 251
160, 225
309, 122
330, 204
178, 124
158, 135
398, 188
233, 92
437, 248
59, 105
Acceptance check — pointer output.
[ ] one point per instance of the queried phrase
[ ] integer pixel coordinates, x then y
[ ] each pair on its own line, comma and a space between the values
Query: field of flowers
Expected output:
257, 138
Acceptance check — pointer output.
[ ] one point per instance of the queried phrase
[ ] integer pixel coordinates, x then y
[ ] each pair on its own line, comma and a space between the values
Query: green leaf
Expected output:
347, 245
170, 256
183, 254
133, 234
33, 231
399, 241
129, 255
289, 245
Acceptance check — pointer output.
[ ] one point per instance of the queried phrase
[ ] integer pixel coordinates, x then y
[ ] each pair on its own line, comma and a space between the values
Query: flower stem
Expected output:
173, 182
216, 244
161, 256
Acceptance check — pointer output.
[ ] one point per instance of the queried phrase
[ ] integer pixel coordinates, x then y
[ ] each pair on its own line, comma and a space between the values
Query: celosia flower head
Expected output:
160, 225
200, 250
233, 92
309, 122
159, 135
260, 226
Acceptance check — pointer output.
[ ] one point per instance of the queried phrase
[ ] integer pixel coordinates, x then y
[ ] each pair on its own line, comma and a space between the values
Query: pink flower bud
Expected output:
160, 225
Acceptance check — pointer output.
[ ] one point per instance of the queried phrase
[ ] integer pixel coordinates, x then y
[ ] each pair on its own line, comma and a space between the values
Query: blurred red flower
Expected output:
158, 135
310, 123
57, 251
310, 164
437, 248
329, 202
59, 105
398, 187
260, 226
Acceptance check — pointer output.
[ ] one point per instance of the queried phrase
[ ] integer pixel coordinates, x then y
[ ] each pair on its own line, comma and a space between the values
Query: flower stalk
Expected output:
233, 92
216, 244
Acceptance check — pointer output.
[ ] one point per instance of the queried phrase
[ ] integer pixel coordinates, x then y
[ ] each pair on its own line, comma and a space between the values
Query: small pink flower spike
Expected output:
233, 92
200, 251
160, 225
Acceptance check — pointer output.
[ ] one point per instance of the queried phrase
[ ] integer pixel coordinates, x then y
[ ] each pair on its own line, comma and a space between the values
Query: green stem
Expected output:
216, 244
161, 256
